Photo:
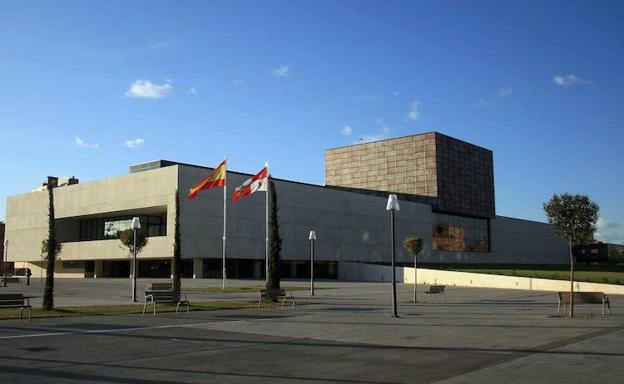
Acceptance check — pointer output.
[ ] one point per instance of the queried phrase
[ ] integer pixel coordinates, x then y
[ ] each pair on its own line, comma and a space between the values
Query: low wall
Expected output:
382, 273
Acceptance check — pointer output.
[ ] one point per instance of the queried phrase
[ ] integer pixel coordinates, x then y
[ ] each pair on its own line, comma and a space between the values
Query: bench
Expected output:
163, 293
585, 298
275, 294
11, 279
15, 300
435, 290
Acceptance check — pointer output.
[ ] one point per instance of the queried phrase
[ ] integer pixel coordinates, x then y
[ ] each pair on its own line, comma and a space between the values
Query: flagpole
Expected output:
266, 237
224, 221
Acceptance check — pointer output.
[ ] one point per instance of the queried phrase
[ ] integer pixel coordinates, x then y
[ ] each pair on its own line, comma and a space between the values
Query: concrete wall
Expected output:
526, 242
27, 214
38, 270
381, 273
513, 241
349, 226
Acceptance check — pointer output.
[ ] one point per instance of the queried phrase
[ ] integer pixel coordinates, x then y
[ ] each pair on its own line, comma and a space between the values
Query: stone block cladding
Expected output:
465, 177
403, 165
458, 175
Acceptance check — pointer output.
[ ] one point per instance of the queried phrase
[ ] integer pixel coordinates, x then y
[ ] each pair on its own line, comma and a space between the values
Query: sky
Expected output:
89, 87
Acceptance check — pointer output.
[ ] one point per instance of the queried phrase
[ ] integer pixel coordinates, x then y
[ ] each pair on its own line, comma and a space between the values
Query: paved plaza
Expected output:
344, 334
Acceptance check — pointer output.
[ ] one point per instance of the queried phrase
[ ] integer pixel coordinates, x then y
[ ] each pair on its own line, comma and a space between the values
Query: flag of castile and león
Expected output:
253, 184
216, 178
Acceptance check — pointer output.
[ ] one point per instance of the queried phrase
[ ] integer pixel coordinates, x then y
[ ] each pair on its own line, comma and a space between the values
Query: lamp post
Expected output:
136, 225
393, 205
312, 237
4, 264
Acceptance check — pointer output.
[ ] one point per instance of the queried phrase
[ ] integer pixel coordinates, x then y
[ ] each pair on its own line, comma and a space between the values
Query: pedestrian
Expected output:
28, 274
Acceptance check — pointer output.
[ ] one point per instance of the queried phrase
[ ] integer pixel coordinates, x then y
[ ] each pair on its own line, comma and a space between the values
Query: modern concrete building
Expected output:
445, 187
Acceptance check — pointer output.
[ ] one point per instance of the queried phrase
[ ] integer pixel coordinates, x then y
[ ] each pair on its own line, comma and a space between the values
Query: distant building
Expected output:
598, 252
445, 188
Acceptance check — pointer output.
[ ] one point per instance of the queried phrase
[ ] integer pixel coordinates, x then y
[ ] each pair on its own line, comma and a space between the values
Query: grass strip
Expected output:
600, 273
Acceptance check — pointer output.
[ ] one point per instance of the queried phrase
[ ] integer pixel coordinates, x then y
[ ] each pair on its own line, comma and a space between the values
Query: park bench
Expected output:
11, 279
275, 294
163, 293
435, 290
584, 298
16, 300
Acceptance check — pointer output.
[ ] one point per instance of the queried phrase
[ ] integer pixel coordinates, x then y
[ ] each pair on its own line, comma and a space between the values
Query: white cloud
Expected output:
570, 80
145, 89
504, 91
603, 223
82, 144
134, 143
239, 82
193, 91
347, 130
414, 112
481, 103
612, 237
281, 72
385, 128
606, 231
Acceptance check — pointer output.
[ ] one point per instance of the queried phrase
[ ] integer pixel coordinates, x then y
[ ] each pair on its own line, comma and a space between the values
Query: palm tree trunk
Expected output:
415, 281
571, 278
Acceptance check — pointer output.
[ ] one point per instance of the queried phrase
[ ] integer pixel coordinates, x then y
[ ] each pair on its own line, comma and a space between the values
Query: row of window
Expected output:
109, 227
460, 234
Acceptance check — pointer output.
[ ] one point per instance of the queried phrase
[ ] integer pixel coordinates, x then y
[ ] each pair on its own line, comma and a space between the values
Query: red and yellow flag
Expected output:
216, 178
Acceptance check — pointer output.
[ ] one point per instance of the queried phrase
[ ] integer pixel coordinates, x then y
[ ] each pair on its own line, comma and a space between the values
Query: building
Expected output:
445, 187
598, 252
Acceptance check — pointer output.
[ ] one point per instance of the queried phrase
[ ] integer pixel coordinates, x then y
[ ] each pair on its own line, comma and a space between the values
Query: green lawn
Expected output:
12, 313
594, 273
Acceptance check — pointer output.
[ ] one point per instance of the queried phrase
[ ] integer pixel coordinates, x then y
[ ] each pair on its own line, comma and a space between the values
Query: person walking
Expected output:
28, 274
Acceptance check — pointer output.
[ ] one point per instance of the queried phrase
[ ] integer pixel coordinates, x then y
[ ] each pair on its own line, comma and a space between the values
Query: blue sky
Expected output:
87, 88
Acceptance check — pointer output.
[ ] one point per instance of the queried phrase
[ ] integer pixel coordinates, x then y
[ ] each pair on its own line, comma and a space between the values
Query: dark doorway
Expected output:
155, 268
117, 268
187, 268
89, 268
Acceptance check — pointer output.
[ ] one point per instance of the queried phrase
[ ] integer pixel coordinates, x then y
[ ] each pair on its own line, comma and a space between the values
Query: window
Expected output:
72, 264
459, 234
109, 227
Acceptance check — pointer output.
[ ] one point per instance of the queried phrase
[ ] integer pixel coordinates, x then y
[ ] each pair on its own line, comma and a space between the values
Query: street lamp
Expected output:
4, 263
136, 225
393, 205
312, 238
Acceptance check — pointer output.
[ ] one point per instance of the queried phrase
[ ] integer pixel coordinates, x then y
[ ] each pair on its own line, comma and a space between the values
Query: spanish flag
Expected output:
216, 178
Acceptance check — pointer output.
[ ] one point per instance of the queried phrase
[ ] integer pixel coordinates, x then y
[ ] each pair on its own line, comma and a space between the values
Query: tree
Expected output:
574, 219
275, 241
50, 247
177, 248
127, 240
414, 245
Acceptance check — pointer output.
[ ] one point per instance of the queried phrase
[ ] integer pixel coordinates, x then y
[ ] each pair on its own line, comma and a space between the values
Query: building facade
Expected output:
348, 215
451, 175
